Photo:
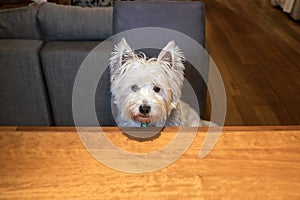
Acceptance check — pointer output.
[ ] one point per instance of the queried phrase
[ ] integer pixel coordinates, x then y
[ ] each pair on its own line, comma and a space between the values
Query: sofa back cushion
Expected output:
183, 16
19, 23
61, 22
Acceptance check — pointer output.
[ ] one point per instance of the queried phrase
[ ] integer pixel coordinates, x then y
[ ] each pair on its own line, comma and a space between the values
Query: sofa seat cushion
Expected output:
61, 62
19, 23
23, 99
62, 22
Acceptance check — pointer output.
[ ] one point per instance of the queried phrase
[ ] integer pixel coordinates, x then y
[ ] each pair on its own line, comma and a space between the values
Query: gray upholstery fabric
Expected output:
23, 98
19, 23
74, 23
61, 61
185, 17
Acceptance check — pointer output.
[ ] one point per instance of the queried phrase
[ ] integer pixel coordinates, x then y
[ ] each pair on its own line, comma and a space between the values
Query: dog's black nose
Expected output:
144, 109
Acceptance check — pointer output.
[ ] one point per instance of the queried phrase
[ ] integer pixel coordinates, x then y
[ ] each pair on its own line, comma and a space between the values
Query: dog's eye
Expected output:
156, 89
134, 88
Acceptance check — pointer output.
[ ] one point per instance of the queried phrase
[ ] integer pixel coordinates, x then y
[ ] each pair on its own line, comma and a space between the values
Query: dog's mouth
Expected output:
143, 119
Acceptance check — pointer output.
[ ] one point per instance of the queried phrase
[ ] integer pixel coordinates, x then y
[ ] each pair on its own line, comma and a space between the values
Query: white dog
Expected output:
146, 92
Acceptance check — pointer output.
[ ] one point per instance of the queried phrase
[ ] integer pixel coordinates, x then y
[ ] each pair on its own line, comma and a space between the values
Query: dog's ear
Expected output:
122, 52
172, 55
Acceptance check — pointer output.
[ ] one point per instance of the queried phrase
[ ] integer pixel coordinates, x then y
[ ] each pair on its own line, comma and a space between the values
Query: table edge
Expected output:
167, 129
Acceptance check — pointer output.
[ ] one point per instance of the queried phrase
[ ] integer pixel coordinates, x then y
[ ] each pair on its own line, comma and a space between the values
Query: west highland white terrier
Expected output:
146, 92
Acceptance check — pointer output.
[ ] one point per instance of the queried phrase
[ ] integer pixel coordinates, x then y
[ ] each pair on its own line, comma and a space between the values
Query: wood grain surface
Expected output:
256, 48
246, 163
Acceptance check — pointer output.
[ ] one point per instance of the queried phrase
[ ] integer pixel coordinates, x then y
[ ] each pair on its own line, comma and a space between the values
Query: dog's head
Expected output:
146, 90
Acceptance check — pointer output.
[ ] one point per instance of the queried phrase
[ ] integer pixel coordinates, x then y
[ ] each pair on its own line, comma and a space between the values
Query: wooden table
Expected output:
246, 163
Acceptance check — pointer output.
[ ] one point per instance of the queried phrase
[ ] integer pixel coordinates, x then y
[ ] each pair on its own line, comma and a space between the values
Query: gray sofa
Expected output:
41, 50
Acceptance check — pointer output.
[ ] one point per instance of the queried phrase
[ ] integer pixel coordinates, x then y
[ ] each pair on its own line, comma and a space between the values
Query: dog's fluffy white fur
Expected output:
148, 91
